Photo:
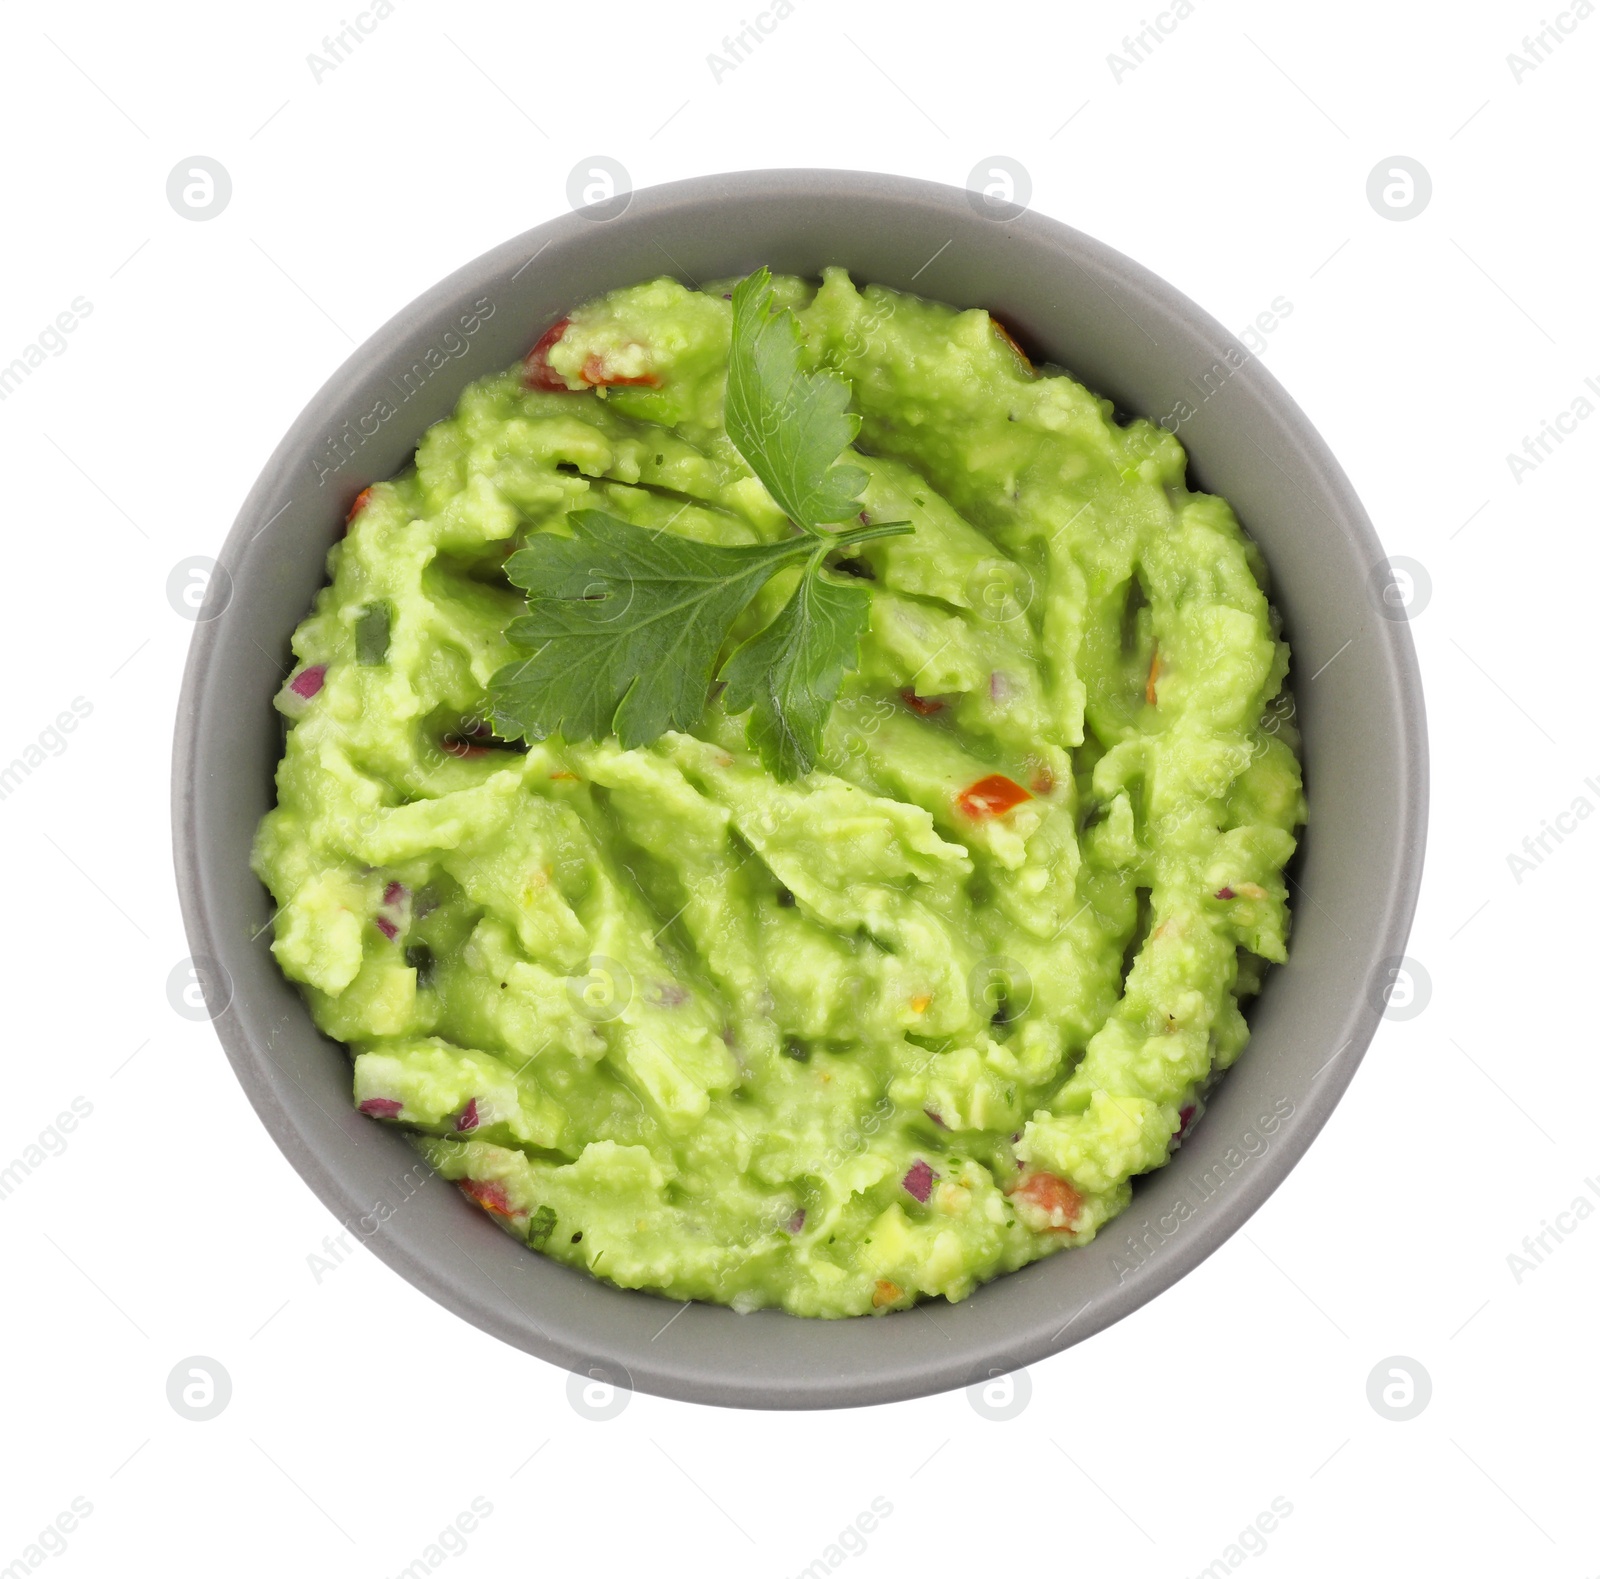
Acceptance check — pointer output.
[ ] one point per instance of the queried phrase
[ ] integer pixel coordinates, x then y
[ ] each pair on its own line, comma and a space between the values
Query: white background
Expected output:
1234, 162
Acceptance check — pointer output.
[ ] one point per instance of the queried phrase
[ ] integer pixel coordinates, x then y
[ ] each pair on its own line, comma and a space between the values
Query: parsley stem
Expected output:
865, 534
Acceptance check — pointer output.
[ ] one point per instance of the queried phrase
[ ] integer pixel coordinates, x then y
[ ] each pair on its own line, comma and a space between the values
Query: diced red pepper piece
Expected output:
381, 1107
992, 797
537, 372
490, 1196
1052, 1195
594, 372
309, 681
918, 1181
467, 1118
925, 705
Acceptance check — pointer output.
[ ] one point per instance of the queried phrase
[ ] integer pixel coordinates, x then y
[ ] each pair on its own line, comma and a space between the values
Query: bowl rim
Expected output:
658, 1373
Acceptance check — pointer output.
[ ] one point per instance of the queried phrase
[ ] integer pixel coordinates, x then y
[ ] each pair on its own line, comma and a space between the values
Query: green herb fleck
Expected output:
540, 1226
372, 635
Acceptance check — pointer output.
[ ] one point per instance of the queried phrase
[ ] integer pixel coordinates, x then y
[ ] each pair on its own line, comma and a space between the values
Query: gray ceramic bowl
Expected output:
1128, 336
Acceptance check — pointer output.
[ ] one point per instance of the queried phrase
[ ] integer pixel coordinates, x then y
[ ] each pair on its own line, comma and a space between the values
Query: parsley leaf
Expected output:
791, 426
624, 626
790, 674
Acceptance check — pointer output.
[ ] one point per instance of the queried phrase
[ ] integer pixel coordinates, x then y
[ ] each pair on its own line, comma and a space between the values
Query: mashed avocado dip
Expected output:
883, 1032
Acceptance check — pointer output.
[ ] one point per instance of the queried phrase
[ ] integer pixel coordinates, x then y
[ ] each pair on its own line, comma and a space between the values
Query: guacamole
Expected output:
909, 1021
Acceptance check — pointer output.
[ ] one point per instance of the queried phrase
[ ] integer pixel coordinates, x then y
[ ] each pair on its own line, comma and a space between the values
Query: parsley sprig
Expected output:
624, 624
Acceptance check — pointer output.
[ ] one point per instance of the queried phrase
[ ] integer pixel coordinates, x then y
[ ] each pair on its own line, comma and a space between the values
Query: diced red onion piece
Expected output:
381, 1107
394, 894
798, 1221
308, 682
467, 1118
918, 1181
935, 1117
387, 927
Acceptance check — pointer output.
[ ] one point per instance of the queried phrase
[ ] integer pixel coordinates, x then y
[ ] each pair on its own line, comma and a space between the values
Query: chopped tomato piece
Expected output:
465, 749
1043, 781
1150, 679
594, 371
924, 705
885, 1293
920, 1002
1010, 339
537, 372
490, 1196
561, 773
992, 797
1051, 1195
357, 505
